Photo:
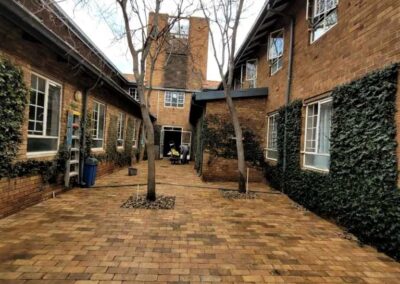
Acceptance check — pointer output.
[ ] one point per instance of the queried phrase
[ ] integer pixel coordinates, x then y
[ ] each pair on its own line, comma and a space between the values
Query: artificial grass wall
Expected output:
360, 190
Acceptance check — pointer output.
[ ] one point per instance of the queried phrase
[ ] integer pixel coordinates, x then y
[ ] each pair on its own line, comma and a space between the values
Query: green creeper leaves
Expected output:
13, 97
360, 191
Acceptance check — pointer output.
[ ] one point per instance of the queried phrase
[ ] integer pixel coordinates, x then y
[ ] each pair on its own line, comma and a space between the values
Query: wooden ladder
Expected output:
73, 147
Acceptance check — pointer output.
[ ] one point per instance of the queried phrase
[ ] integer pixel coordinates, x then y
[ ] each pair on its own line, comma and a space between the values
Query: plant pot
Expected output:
132, 171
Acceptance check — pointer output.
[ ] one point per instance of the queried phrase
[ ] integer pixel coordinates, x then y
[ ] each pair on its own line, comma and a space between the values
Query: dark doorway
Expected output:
171, 135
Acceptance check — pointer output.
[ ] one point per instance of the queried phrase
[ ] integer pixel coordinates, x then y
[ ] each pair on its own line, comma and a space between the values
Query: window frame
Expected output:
178, 93
268, 148
278, 59
135, 96
97, 126
321, 18
48, 82
121, 129
134, 138
305, 152
251, 80
177, 21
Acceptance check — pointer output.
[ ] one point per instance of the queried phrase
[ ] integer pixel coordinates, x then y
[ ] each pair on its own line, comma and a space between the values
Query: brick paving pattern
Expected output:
83, 236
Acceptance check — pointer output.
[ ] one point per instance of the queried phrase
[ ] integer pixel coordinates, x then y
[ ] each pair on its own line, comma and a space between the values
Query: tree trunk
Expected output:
239, 142
151, 161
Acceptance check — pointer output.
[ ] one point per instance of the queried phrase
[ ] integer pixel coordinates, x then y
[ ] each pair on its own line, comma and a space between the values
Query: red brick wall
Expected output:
193, 70
251, 115
366, 38
221, 169
19, 193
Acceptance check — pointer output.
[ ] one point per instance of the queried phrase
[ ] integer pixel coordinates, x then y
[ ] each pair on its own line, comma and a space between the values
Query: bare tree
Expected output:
152, 41
224, 17
146, 33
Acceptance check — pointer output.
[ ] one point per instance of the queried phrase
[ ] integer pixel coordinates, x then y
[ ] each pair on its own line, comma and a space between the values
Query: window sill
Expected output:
316, 170
273, 161
41, 154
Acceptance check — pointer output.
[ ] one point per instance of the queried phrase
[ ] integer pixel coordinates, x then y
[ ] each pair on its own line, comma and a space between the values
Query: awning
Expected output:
236, 94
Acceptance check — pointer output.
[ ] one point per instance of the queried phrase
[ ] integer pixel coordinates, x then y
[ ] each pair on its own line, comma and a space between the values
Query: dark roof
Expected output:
237, 94
21, 16
257, 35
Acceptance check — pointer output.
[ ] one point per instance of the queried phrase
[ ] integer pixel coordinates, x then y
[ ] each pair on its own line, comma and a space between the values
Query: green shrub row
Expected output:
360, 190
218, 138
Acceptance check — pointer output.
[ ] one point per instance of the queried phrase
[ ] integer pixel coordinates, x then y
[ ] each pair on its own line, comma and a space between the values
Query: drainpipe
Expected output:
83, 136
288, 92
83, 129
288, 87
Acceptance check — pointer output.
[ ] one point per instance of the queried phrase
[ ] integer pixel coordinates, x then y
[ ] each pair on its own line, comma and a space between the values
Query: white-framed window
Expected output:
174, 99
179, 28
275, 51
251, 72
134, 93
317, 136
272, 137
98, 121
134, 138
120, 129
44, 116
322, 15
240, 78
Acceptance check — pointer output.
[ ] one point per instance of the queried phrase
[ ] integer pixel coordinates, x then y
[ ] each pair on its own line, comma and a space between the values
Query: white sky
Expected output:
101, 31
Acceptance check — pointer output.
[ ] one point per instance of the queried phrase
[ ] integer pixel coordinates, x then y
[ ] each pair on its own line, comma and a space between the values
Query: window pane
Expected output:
325, 128
251, 70
101, 121
42, 144
97, 143
53, 111
272, 154
317, 161
41, 85
276, 43
311, 131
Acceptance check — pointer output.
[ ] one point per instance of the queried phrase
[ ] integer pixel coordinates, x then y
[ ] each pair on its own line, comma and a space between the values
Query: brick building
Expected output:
62, 67
302, 50
180, 71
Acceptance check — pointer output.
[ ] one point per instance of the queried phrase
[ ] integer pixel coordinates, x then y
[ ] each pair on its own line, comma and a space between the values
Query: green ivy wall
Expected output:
360, 190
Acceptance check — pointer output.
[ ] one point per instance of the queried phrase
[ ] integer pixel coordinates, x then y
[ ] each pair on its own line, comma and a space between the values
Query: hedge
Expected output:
360, 191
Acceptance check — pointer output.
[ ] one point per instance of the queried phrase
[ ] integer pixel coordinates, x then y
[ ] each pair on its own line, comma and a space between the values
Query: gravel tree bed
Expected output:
140, 202
234, 194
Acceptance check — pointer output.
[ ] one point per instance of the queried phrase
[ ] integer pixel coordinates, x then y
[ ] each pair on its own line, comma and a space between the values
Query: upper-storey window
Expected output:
134, 93
44, 115
120, 129
322, 15
251, 72
179, 28
239, 77
174, 99
275, 51
317, 136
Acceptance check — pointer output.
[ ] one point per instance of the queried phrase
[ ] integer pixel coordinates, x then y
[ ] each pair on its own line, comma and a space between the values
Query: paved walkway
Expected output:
83, 236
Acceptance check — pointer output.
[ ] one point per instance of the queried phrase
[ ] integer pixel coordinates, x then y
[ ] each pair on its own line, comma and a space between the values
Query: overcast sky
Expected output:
102, 31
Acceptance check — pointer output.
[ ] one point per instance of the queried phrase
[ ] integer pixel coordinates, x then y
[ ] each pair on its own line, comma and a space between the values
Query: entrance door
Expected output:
169, 134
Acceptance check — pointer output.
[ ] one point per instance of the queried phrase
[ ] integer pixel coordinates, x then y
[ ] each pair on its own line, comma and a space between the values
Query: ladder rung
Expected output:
75, 149
74, 162
72, 174
75, 137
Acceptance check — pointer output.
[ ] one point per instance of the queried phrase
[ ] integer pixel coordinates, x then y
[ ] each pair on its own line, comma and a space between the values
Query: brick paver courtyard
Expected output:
83, 236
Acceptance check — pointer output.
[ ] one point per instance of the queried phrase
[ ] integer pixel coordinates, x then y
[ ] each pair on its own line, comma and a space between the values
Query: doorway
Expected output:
170, 134
177, 136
